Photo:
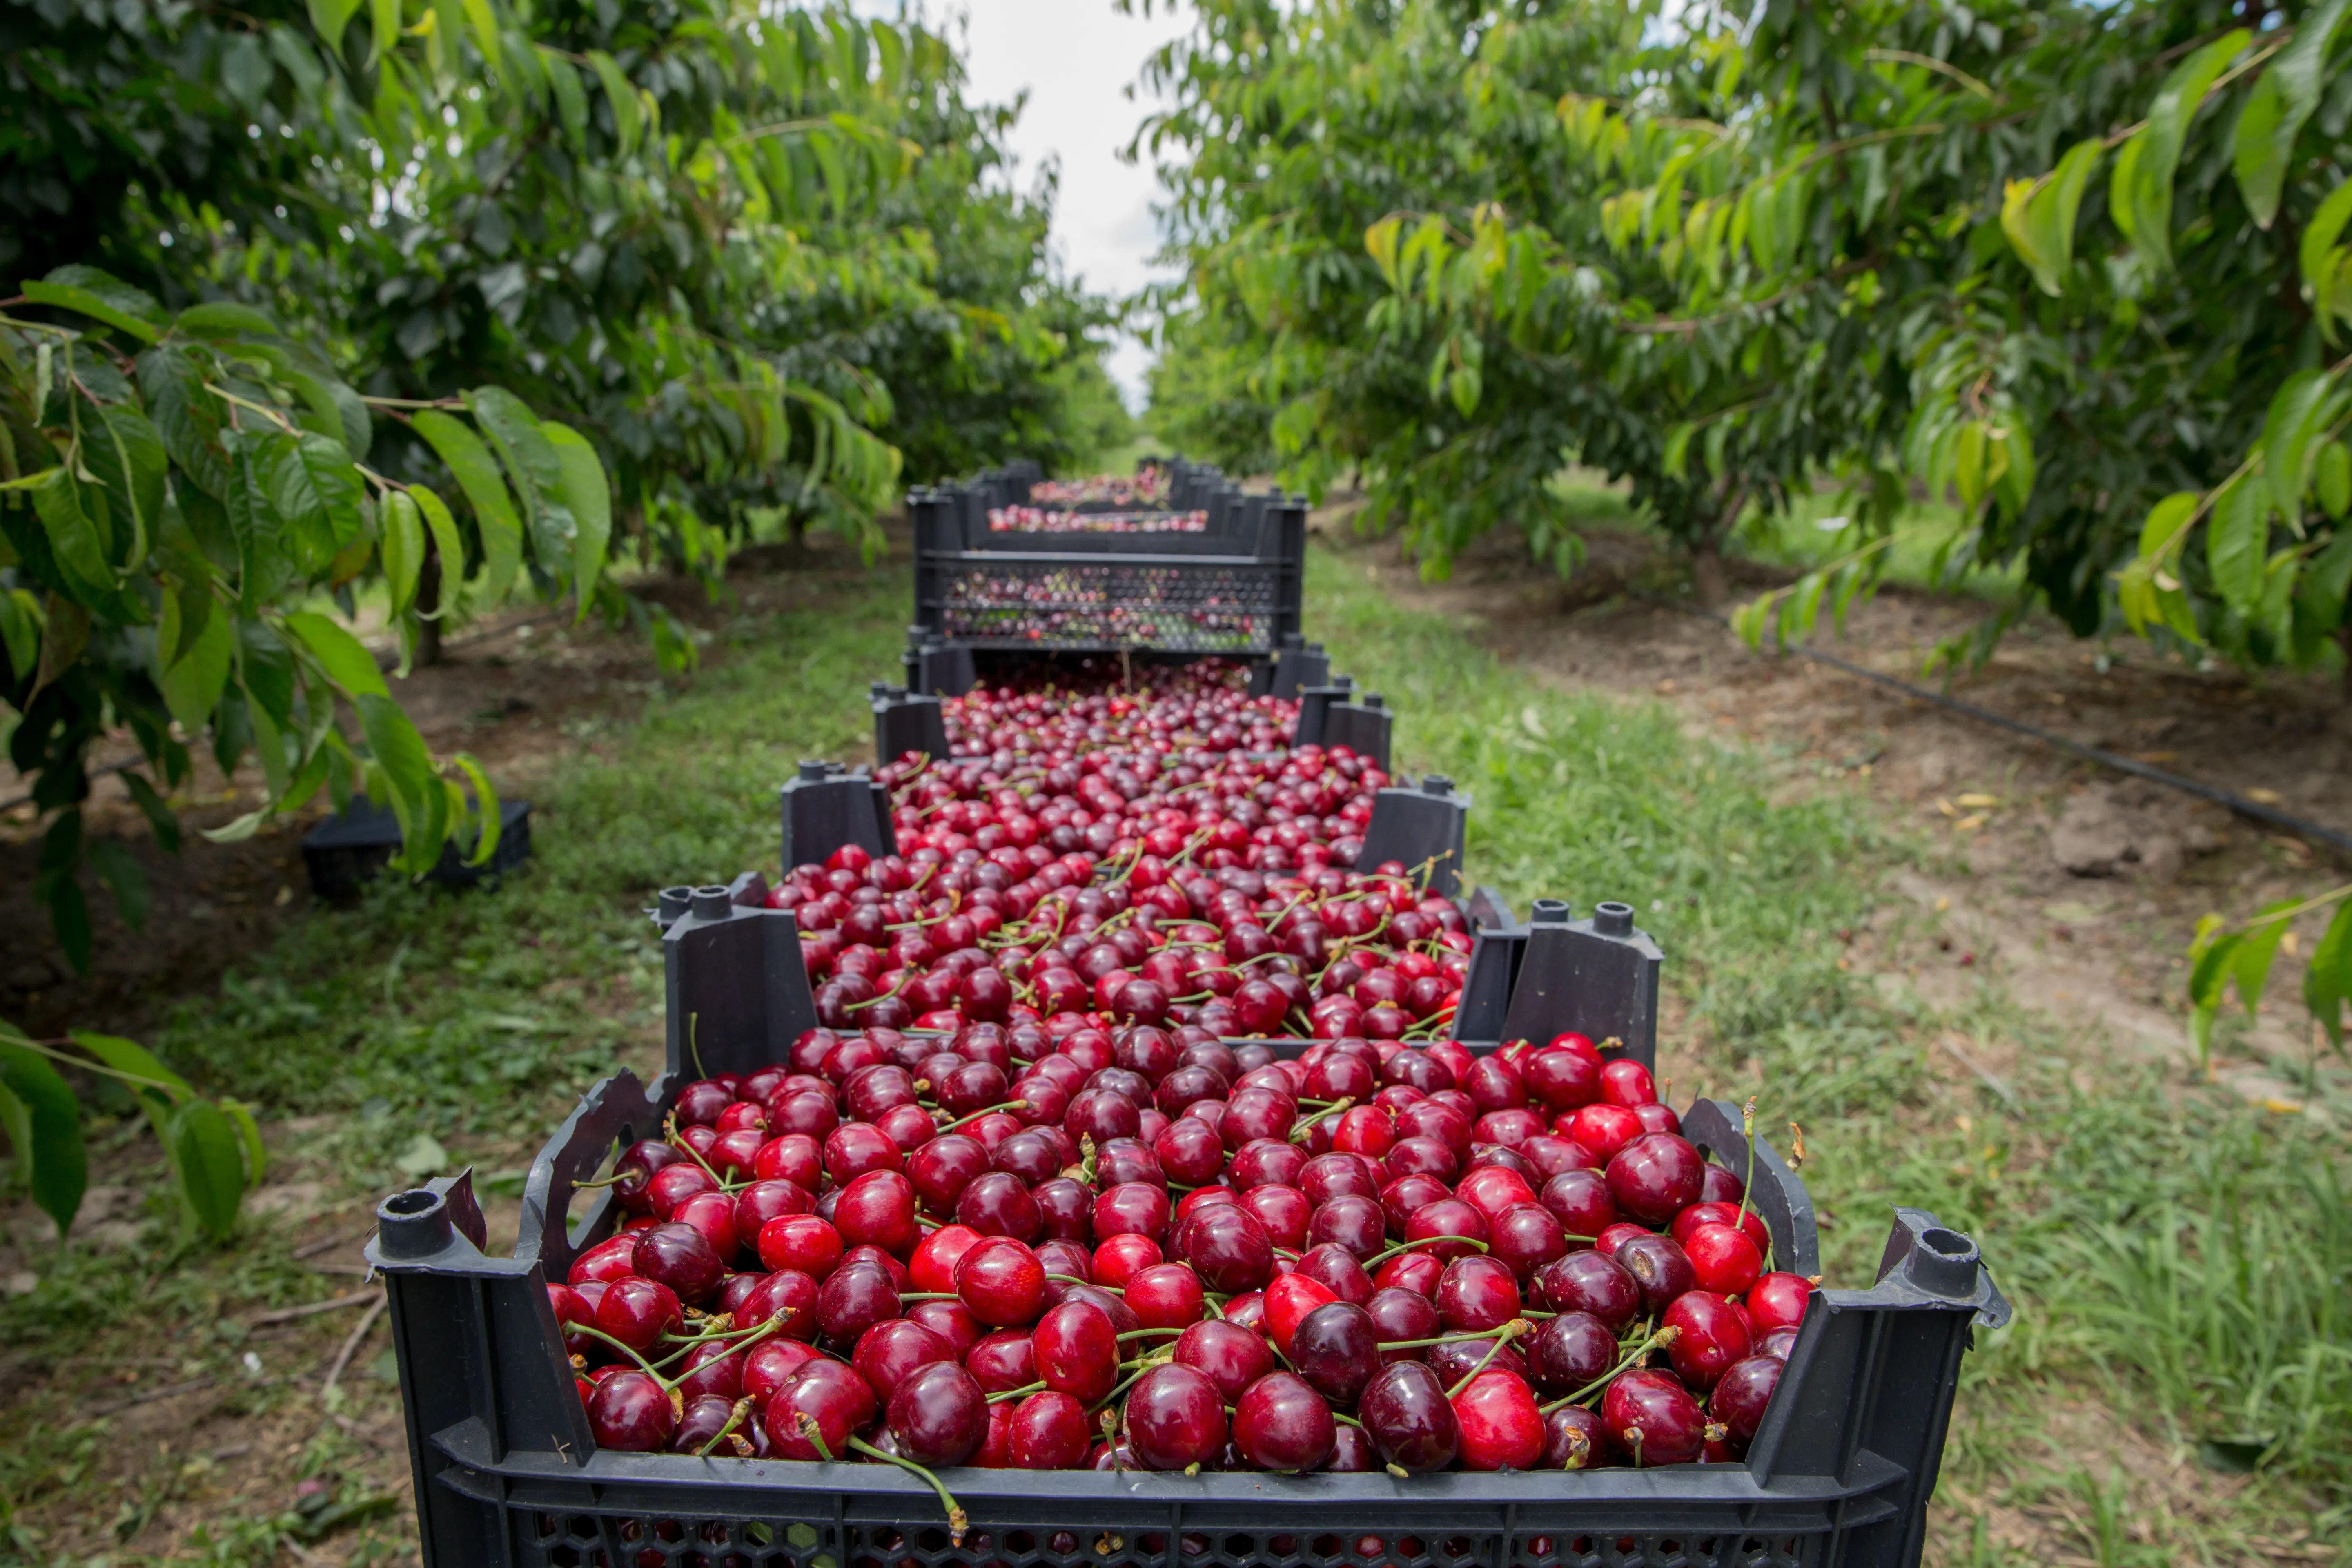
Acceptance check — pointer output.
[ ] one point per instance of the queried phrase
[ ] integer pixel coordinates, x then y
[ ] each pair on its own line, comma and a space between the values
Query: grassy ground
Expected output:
2178, 1260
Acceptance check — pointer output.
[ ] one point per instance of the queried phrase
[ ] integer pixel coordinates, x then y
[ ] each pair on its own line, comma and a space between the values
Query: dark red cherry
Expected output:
952, 1321
1452, 1362
1710, 1333
1001, 1281
1655, 1177
704, 1417
1134, 1208
632, 1413
1628, 1083
634, 1171
1777, 1301
1741, 1395
1267, 1162
1501, 1428
788, 1294
888, 1352
1652, 1420
829, 1393
1406, 1415
1575, 1438
1400, 1315
679, 1256
1721, 1187
638, 1312
1724, 1260
997, 1204
1228, 1249
1571, 1351
1078, 1350
1284, 1212
1280, 1423
878, 1209
714, 1368
769, 1365
1334, 1268
1656, 1118
1049, 1432
1174, 1417
1563, 1079
1436, 1223
1003, 1360
1415, 1271
1336, 1349
1658, 1267
1230, 1356
1065, 1209
942, 1168
1164, 1296
801, 1242
1329, 1176
1526, 1237
1190, 1151
938, 1414
1476, 1293
1580, 1200
852, 1300
856, 1148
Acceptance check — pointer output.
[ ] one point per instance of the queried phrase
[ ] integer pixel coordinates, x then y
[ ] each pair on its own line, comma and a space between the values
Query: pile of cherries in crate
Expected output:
1147, 1247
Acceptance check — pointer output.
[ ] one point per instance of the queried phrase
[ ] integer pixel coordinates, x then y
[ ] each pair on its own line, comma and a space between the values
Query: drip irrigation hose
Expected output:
2253, 809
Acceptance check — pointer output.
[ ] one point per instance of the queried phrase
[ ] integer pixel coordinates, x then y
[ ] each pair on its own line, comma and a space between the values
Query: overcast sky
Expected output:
1077, 59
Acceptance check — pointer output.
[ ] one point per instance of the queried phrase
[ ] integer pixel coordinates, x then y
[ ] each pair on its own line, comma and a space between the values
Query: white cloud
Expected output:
1077, 59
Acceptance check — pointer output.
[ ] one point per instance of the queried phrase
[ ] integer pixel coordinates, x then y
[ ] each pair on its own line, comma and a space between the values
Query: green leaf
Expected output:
571, 98
2295, 415
20, 631
222, 319
95, 295
122, 450
2043, 233
314, 489
119, 870
2329, 981
482, 21
447, 544
403, 548
627, 117
131, 1056
172, 385
400, 752
477, 475
2149, 192
2331, 479
256, 1152
77, 539
486, 808
384, 17
348, 665
2278, 106
206, 1153
199, 657
2250, 968
2165, 521
2237, 543
581, 486
533, 468
2316, 254
57, 1168
330, 17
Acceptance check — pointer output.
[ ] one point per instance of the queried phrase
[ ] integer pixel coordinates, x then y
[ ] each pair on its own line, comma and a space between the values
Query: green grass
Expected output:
2178, 1260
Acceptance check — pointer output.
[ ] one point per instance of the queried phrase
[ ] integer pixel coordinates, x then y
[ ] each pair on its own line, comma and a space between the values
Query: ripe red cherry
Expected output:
1445, 1218
855, 1298
802, 1242
1652, 1420
679, 1256
1777, 1301
1189, 1151
1710, 1333
831, 1394
1227, 1247
638, 1312
1589, 1282
1001, 1281
1475, 1293
1574, 1438
878, 1209
1602, 1127
1334, 1268
1121, 1257
998, 1203
1628, 1083
943, 1167
631, 1414
1175, 1419
673, 1185
1659, 1266
1284, 1212
1524, 1238
1724, 1260
1655, 1177
888, 1352
788, 1294
1002, 1360
1500, 1426
1281, 1423
1409, 1419
938, 1414
1494, 1189
1571, 1351
1131, 1208
1228, 1355
1415, 1271
1336, 1350
1563, 1079
1078, 1350
1288, 1300
933, 1265
1704, 1213
952, 1321
1164, 1296
1741, 1396
1049, 1432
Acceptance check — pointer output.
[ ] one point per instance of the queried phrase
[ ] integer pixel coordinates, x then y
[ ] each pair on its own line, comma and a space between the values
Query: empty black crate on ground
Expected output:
507, 1473
352, 846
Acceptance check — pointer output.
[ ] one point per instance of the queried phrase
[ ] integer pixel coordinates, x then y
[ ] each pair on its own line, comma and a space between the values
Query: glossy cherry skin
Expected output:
1476, 1293
1603, 1129
1659, 1267
1721, 1187
1656, 1118
1284, 1212
638, 1312
1568, 1352
1334, 1268
856, 1148
1165, 1296
1005, 1360
1174, 1417
1406, 1415
1227, 1246
1351, 1453
613, 1258
1064, 1209
1121, 1257
632, 1413
1741, 1395
1280, 1423
878, 1209
801, 1242
1415, 1271
1628, 1083
1563, 1079
1652, 1420
1710, 1333
1078, 1350
1399, 1315
765, 1200
1336, 1349
1524, 1238
1580, 1200
635, 1172
706, 1416
1575, 1438
1452, 1362
942, 1168
938, 1414
673, 1185
1049, 1432
837, 1398
888, 1352
1190, 1151
1655, 1177
1327, 1176
1705, 1212
1230, 1356
1494, 1189
1288, 1299
998, 1203
572, 1308
714, 1368
1777, 1301
1002, 1282
769, 1365
1501, 1428
1778, 1343
933, 1263
853, 1300
1131, 1208
1724, 1260
1438, 1223
952, 1321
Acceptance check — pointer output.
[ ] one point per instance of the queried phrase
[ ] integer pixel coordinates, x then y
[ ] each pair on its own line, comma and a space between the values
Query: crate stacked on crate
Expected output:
1064, 1267
1215, 569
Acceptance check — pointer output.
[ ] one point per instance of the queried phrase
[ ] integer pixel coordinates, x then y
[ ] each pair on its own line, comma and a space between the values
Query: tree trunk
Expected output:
428, 599
1706, 574
2343, 641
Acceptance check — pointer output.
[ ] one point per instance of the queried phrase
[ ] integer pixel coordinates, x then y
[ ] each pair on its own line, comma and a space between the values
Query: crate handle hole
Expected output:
1951, 1243
415, 1202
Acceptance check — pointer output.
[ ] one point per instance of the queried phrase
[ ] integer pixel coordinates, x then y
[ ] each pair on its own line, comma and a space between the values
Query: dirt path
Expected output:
2076, 887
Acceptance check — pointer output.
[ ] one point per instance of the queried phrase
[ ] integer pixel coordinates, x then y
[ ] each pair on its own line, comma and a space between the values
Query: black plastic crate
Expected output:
352, 847
1233, 588
506, 1474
